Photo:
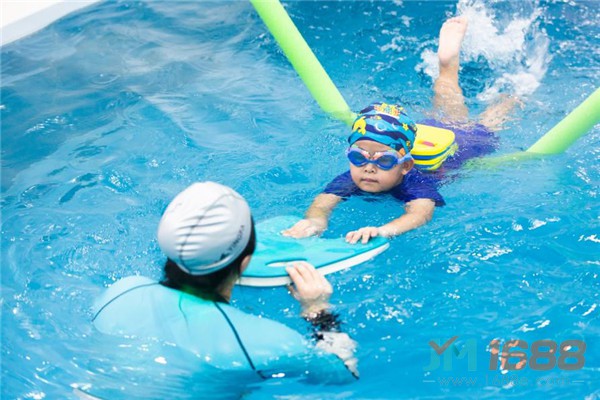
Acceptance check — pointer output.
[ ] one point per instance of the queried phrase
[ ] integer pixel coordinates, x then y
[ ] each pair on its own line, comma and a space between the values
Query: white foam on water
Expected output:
515, 48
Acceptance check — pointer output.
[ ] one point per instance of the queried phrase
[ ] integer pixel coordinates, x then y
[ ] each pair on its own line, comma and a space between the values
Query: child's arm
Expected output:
417, 212
316, 218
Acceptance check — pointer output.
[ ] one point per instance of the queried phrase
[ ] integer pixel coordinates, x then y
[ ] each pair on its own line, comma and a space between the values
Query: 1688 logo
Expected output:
544, 355
512, 355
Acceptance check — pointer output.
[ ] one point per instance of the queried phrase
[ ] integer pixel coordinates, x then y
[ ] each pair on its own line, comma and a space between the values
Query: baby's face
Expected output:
373, 179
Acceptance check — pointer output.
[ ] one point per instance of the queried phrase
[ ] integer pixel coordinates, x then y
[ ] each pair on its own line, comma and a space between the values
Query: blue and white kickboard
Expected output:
274, 251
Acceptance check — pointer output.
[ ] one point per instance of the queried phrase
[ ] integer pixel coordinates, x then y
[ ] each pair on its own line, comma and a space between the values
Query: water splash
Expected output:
509, 39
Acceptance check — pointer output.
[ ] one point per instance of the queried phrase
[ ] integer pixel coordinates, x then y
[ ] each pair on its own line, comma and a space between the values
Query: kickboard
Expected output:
274, 251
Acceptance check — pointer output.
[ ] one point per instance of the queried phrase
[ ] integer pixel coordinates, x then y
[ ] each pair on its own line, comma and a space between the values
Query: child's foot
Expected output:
452, 34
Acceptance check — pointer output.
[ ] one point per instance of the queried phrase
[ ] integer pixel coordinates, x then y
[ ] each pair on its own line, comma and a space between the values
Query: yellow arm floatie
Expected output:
432, 146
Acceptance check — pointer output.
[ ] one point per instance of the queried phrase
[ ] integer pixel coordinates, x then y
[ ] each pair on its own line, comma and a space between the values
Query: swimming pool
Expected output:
109, 112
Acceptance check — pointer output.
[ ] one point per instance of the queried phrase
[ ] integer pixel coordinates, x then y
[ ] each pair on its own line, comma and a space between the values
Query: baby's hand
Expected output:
305, 228
363, 234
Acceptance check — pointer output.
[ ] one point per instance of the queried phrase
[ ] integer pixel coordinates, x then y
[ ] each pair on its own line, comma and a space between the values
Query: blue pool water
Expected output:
109, 112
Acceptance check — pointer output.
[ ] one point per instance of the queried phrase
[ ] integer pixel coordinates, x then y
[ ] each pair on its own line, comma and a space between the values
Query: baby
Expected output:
380, 143
380, 162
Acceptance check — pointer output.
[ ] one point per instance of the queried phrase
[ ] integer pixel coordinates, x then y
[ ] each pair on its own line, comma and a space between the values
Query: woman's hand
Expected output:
309, 287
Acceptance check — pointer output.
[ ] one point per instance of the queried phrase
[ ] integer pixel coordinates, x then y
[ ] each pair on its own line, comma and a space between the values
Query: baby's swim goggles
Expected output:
385, 160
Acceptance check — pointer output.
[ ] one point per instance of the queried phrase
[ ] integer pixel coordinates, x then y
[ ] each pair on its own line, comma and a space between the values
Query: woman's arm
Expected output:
313, 291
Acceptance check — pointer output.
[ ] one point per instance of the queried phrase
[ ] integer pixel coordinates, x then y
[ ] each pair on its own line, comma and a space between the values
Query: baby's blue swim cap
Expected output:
386, 124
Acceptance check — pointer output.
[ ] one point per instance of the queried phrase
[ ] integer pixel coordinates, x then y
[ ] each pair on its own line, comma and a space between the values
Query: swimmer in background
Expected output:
381, 139
208, 235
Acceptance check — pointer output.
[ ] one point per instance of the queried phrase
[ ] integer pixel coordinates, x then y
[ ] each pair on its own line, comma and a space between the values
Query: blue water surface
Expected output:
110, 111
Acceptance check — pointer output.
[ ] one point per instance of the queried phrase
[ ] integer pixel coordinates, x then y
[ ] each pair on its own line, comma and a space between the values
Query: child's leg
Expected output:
448, 96
497, 114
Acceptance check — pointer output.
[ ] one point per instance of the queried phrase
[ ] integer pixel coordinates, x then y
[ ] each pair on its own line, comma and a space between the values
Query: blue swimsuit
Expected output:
415, 185
211, 333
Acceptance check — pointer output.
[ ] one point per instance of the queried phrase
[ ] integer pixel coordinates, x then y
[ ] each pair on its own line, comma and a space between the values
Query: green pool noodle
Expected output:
576, 124
303, 59
558, 139
580, 121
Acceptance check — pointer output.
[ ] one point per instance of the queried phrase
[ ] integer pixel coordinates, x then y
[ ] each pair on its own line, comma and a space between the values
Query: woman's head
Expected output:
205, 227
206, 232
210, 286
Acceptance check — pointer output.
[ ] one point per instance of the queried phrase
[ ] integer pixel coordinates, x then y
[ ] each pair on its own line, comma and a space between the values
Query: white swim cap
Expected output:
205, 228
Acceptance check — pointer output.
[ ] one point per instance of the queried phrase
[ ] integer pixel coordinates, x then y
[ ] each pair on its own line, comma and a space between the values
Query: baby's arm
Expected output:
316, 218
417, 213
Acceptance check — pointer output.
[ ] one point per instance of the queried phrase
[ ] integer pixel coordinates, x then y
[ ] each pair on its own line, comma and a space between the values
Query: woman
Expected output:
208, 235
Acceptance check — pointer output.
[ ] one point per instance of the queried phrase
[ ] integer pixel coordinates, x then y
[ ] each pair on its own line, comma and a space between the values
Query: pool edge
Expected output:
18, 21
